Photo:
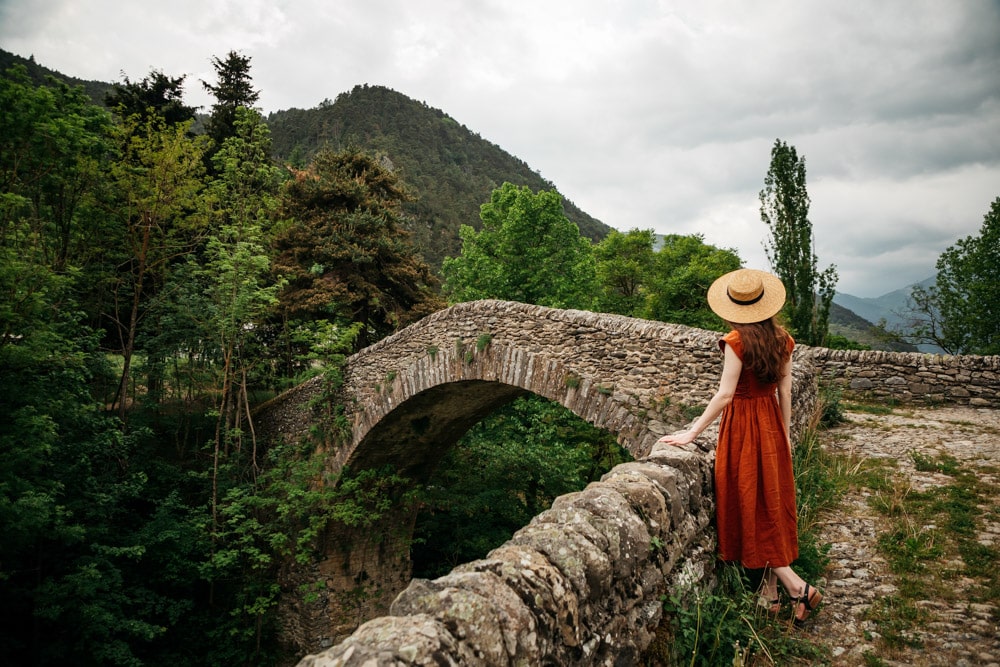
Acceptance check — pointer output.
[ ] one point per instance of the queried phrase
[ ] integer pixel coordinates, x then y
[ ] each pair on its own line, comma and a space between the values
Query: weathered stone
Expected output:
407, 398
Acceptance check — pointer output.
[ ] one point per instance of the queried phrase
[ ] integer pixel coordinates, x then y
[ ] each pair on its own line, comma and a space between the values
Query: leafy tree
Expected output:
344, 251
157, 94
960, 312
666, 284
51, 158
784, 208
92, 563
234, 89
157, 197
624, 265
684, 268
527, 251
237, 273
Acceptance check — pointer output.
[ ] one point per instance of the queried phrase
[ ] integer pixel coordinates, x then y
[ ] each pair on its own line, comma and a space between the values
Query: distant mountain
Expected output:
846, 323
892, 307
450, 170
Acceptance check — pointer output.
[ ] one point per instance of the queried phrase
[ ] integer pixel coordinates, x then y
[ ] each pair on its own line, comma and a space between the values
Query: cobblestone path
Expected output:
958, 626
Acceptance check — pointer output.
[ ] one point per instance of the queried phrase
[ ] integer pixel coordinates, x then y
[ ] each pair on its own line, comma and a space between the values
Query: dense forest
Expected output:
163, 273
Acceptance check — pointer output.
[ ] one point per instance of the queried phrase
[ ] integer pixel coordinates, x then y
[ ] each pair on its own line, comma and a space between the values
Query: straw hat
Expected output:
746, 295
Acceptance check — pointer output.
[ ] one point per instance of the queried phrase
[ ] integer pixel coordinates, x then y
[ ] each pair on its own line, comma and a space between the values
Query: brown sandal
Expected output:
809, 600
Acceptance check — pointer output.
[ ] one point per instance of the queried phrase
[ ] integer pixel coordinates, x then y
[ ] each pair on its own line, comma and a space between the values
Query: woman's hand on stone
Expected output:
679, 439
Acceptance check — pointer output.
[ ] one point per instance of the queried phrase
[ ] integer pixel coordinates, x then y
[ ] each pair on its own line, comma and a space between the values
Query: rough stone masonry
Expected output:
581, 583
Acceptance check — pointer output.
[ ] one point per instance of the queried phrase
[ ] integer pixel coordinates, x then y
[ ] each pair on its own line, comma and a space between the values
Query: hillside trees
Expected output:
344, 253
51, 152
527, 251
155, 95
624, 267
961, 313
75, 498
684, 269
784, 208
667, 284
450, 169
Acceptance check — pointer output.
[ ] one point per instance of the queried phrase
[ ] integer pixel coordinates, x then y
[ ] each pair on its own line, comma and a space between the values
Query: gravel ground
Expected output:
955, 632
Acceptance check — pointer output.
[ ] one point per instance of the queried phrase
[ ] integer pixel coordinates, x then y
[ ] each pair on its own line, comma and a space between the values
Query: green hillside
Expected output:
95, 90
449, 169
847, 323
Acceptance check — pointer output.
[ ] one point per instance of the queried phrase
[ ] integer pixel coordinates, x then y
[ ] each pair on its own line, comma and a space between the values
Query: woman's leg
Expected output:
769, 584
804, 596
792, 582
769, 591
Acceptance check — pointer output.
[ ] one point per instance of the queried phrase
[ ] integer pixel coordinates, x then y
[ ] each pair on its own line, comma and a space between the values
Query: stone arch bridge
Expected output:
581, 583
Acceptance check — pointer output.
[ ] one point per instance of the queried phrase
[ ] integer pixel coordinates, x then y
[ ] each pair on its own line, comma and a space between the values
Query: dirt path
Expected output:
951, 629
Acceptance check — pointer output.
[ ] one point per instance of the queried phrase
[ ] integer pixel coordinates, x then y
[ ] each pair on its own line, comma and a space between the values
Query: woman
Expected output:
754, 485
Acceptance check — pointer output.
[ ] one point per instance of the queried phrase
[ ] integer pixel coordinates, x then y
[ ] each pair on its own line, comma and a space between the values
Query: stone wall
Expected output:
910, 377
579, 585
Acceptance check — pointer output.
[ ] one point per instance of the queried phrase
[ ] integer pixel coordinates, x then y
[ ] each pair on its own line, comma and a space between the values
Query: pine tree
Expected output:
233, 90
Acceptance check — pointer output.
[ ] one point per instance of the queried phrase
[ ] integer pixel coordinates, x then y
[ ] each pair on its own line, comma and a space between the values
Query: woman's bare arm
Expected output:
731, 368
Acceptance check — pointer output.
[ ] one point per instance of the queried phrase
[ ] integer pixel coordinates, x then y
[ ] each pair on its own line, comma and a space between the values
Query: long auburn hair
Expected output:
765, 349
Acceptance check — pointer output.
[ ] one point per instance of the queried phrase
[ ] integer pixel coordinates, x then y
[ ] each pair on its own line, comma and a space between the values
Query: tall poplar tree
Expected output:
784, 208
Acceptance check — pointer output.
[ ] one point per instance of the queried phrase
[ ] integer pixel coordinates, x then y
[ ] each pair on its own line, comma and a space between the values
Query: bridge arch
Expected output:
409, 397
423, 387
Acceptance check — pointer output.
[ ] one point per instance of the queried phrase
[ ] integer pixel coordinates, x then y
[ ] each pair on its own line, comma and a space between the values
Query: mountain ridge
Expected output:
451, 169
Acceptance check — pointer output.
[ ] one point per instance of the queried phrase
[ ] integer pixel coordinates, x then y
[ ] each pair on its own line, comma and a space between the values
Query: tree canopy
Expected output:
233, 89
961, 312
344, 253
667, 284
156, 93
527, 250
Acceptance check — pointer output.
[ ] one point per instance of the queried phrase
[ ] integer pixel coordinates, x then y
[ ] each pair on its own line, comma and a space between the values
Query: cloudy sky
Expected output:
646, 114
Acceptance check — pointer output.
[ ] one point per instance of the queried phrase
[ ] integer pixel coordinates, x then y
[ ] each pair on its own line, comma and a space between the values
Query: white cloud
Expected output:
645, 113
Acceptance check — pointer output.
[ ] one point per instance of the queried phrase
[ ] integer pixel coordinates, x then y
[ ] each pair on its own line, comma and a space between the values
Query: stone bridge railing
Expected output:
582, 583
579, 585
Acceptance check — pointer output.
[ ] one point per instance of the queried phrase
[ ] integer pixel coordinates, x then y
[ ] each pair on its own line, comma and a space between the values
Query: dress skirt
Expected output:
754, 484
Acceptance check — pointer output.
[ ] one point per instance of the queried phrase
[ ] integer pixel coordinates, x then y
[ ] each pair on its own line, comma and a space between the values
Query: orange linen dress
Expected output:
754, 484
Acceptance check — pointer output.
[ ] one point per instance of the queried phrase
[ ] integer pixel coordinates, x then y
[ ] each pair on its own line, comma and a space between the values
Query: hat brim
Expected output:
769, 305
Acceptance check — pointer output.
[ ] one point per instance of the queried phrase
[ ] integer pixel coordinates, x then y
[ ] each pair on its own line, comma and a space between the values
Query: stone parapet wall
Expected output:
910, 377
579, 585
